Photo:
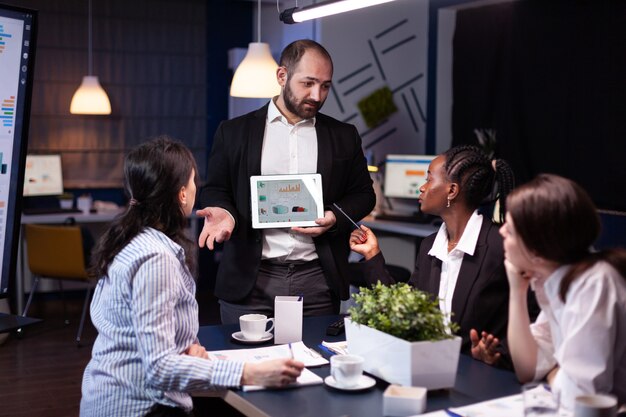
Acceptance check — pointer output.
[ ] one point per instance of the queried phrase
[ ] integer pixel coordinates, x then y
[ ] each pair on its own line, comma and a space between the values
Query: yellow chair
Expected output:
56, 252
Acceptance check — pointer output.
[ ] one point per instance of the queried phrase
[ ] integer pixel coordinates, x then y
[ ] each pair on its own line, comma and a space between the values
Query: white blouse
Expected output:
585, 336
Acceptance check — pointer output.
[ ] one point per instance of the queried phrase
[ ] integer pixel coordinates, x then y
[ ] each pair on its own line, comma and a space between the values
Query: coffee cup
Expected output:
346, 369
254, 326
595, 405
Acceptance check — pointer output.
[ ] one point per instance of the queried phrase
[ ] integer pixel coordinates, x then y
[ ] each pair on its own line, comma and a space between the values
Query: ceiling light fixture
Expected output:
90, 98
255, 76
326, 8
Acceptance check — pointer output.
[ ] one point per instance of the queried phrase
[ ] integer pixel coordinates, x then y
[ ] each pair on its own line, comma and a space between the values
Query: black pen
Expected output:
347, 217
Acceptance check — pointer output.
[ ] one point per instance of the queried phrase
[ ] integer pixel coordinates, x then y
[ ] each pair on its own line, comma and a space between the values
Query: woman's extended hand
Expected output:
364, 242
484, 347
273, 373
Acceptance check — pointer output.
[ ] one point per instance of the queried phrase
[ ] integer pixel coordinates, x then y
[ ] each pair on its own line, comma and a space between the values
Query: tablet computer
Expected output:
286, 200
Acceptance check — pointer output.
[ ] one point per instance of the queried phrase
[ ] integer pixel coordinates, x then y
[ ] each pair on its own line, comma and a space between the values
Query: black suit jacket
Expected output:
481, 295
236, 155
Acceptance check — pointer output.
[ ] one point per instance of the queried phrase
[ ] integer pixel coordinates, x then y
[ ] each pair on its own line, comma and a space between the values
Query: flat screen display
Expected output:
286, 200
17, 51
43, 175
405, 174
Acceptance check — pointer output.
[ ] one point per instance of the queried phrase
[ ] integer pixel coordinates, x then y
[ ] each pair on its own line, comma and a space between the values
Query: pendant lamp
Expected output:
90, 98
255, 76
325, 8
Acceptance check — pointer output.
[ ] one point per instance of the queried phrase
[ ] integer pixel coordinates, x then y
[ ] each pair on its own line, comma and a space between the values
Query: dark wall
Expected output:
229, 25
549, 77
150, 57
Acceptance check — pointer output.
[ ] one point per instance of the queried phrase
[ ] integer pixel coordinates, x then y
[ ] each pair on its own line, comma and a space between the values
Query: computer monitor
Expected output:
405, 174
18, 27
403, 177
43, 175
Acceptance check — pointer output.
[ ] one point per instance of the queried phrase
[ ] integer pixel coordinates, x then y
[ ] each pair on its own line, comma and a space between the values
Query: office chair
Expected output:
58, 252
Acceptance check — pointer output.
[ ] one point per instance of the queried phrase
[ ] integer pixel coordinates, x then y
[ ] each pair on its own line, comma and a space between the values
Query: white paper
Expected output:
300, 353
340, 348
511, 406
306, 378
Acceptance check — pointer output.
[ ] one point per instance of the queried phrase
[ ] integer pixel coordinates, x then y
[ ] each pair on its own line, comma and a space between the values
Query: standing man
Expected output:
286, 136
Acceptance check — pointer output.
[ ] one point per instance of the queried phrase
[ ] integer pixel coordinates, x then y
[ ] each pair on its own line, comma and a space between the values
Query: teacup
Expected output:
595, 405
346, 369
254, 326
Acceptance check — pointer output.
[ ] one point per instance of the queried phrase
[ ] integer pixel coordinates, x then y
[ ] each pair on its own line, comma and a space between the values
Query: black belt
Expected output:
289, 264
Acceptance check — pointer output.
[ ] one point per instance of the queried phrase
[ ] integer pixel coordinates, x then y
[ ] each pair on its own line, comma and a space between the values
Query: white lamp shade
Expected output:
90, 98
255, 77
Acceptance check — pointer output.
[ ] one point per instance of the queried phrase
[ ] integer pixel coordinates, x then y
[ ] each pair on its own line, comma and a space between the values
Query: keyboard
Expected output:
49, 210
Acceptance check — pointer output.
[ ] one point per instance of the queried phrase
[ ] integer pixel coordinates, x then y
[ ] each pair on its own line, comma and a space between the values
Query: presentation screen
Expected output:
405, 174
17, 52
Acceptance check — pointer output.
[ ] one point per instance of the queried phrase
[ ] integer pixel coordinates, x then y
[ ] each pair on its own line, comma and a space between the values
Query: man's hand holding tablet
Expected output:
323, 224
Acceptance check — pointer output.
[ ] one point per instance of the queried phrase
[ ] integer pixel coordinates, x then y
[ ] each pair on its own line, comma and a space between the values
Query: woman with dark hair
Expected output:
463, 264
146, 356
580, 334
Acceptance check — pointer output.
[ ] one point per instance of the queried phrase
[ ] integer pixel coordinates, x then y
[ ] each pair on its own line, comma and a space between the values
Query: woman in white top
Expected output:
146, 357
579, 339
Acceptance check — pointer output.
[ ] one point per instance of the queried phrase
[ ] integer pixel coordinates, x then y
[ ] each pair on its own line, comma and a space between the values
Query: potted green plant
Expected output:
403, 336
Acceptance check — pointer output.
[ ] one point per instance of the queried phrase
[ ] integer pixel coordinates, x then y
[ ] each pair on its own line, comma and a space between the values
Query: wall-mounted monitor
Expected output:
43, 175
18, 29
405, 174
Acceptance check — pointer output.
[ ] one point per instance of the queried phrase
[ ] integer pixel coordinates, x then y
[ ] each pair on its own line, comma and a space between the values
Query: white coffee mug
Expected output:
254, 326
83, 203
346, 369
595, 405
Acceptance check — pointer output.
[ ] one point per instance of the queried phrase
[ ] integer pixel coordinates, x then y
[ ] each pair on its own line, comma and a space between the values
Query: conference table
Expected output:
475, 382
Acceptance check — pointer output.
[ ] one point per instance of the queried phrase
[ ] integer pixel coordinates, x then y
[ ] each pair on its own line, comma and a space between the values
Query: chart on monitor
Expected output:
403, 177
17, 48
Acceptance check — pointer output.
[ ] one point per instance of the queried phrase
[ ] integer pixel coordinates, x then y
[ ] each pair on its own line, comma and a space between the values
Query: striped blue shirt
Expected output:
146, 315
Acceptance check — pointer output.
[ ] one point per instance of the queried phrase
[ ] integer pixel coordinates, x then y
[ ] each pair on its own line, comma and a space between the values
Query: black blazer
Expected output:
481, 295
236, 155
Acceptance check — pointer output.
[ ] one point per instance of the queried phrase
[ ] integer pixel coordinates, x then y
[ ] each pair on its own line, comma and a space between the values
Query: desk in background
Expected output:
475, 382
97, 222
399, 241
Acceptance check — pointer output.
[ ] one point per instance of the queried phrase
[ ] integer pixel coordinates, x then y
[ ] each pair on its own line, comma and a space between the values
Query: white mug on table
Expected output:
595, 405
254, 326
346, 369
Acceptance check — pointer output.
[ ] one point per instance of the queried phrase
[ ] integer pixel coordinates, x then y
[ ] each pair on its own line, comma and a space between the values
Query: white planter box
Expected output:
432, 365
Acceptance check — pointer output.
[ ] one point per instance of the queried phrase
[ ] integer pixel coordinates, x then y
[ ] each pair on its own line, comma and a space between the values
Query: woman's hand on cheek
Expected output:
518, 280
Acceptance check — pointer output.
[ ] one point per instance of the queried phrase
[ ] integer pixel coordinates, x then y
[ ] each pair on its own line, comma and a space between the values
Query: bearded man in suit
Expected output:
286, 136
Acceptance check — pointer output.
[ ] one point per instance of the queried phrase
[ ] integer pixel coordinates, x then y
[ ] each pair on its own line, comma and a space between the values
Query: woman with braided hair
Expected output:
462, 265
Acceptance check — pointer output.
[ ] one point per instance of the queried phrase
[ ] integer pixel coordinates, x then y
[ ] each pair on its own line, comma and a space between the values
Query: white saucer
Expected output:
238, 336
364, 383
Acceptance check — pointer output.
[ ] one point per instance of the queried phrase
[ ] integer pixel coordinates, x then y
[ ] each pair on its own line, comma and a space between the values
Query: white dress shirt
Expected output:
288, 149
451, 261
585, 336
